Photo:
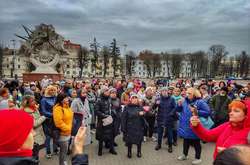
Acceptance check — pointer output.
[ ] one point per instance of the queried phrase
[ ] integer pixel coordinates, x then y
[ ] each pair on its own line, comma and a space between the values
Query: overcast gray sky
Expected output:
158, 25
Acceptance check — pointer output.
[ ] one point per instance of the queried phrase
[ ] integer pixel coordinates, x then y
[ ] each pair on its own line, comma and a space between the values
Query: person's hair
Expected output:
230, 156
3, 91
238, 104
196, 92
26, 101
60, 98
222, 82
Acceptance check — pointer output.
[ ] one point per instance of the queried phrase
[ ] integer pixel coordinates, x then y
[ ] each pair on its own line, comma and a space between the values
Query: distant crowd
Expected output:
64, 116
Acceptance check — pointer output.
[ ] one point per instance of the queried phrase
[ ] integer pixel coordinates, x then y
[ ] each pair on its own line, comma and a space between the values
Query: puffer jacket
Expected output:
184, 129
63, 118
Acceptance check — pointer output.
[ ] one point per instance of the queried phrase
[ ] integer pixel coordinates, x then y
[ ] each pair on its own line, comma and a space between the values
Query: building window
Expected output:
144, 68
7, 65
68, 72
139, 68
163, 69
18, 59
7, 59
68, 66
139, 62
74, 72
19, 66
139, 73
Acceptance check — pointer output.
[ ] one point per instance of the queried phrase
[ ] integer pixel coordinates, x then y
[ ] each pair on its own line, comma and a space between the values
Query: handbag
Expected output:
108, 120
207, 122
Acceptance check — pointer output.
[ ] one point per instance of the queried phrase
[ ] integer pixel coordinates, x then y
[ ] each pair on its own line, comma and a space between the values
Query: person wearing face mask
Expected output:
63, 118
219, 106
82, 116
165, 118
105, 125
231, 133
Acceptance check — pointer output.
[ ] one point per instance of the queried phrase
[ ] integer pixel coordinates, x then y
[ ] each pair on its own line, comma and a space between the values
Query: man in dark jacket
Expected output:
165, 118
219, 105
105, 132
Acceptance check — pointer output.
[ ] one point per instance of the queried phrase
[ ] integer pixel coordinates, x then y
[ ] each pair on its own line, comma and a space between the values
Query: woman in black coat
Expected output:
116, 109
133, 125
105, 133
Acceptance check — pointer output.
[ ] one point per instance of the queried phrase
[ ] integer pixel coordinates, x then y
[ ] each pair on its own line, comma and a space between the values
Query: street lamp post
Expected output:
14, 58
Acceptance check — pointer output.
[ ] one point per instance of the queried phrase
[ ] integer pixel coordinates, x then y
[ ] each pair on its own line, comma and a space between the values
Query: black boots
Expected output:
158, 147
139, 150
112, 151
170, 149
129, 150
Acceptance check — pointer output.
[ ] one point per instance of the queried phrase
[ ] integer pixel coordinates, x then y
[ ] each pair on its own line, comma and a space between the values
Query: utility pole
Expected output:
13, 59
125, 60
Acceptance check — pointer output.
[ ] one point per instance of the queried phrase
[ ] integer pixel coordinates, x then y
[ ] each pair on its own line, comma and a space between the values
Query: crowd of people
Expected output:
56, 116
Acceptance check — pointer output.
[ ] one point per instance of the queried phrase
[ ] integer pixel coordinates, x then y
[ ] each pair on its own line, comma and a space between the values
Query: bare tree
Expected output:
146, 57
243, 61
156, 64
130, 57
106, 56
94, 49
218, 52
167, 58
176, 64
83, 59
115, 53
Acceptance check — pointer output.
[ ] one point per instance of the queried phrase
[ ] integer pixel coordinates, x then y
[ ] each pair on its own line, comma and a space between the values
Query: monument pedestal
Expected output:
28, 77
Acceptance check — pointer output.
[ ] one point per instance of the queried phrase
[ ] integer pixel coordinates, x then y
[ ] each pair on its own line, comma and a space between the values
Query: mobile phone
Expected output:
195, 112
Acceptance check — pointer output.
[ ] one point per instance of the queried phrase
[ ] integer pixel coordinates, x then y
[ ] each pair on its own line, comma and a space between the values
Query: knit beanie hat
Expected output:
15, 128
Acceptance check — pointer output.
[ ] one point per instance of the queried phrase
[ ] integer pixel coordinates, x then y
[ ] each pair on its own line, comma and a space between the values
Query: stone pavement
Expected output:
149, 155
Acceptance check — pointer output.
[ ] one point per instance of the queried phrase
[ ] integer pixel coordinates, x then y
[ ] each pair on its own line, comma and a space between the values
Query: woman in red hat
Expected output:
17, 140
228, 134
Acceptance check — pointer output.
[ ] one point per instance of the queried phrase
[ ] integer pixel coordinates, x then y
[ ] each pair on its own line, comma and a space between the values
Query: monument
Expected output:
43, 47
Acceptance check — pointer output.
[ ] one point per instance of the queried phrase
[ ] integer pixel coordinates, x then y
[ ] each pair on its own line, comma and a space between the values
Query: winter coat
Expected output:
166, 112
39, 137
83, 110
116, 108
225, 135
103, 110
63, 118
46, 109
46, 106
184, 129
133, 125
219, 106
92, 100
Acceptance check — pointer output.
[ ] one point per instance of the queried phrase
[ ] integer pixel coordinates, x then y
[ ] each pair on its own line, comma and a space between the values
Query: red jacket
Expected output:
225, 135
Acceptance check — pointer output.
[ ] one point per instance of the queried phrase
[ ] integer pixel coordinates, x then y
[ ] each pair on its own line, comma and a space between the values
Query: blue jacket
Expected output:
184, 129
166, 111
46, 106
